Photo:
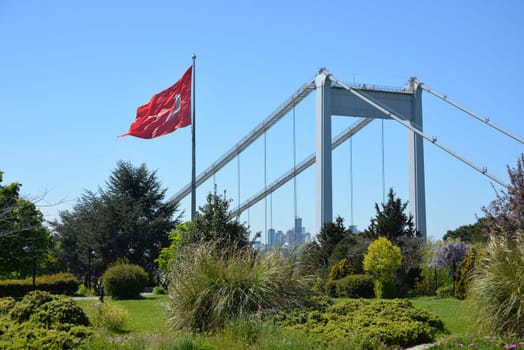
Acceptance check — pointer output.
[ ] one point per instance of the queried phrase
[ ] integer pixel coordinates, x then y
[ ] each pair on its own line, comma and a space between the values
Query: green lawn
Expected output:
146, 315
450, 310
148, 321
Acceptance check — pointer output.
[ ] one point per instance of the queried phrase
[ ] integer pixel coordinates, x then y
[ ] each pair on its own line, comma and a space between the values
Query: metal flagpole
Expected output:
193, 127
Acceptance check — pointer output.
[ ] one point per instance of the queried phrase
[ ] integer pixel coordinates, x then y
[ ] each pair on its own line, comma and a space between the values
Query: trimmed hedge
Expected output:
60, 283
124, 281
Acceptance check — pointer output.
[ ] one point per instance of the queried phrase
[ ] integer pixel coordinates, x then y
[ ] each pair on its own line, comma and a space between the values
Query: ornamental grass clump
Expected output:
496, 292
208, 287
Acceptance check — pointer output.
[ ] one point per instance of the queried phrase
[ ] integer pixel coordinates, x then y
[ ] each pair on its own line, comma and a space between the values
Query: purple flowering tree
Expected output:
449, 255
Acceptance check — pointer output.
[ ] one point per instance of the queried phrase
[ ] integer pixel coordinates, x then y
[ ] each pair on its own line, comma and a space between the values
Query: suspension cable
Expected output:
402, 121
265, 186
474, 115
238, 182
294, 163
351, 177
383, 167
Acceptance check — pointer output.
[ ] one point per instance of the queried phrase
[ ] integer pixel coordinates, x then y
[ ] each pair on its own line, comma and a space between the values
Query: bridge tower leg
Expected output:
417, 195
323, 151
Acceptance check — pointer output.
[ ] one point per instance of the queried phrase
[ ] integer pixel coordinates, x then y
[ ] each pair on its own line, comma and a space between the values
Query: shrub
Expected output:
47, 309
60, 283
496, 286
29, 305
463, 274
159, 291
318, 285
43, 321
6, 304
359, 323
124, 281
340, 270
382, 260
208, 289
31, 335
110, 316
83, 291
330, 288
355, 286
60, 311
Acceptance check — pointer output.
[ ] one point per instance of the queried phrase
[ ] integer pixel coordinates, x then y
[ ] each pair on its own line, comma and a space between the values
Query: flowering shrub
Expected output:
449, 255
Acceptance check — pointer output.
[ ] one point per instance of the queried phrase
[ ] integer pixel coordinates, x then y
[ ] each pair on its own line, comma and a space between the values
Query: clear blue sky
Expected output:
73, 73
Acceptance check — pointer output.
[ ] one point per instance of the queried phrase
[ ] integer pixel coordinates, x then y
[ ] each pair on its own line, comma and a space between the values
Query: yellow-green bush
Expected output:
463, 274
367, 325
42, 321
110, 316
341, 269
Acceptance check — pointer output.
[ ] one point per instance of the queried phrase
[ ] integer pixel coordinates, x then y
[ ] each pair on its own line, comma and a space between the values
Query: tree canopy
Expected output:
391, 221
23, 236
505, 214
128, 219
215, 222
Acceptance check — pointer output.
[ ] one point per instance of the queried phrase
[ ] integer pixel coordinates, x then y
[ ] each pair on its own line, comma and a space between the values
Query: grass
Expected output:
146, 316
450, 310
147, 327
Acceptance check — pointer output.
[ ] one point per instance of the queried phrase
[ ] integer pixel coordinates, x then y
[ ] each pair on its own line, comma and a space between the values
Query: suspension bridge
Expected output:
402, 105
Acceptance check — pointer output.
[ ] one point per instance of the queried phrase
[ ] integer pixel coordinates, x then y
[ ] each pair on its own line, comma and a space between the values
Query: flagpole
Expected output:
193, 128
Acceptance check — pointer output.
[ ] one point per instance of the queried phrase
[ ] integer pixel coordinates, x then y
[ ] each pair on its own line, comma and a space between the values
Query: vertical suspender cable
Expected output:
383, 167
294, 173
265, 187
238, 181
351, 177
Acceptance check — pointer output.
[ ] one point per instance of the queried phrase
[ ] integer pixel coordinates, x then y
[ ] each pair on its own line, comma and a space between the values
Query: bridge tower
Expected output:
336, 100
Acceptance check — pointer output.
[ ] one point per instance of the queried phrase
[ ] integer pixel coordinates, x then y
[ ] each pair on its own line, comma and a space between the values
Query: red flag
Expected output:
166, 111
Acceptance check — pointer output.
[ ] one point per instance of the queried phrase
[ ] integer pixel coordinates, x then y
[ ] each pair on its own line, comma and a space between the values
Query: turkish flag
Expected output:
166, 111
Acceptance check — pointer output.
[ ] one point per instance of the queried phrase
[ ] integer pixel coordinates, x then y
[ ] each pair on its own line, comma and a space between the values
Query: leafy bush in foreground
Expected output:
42, 321
207, 289
367, 325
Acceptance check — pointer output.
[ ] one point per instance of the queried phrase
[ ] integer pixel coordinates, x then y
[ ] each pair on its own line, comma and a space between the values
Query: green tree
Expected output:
467, 233
23, 236
382, 260
391, 221
352, 247
167, 254
128, 219
214, 222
